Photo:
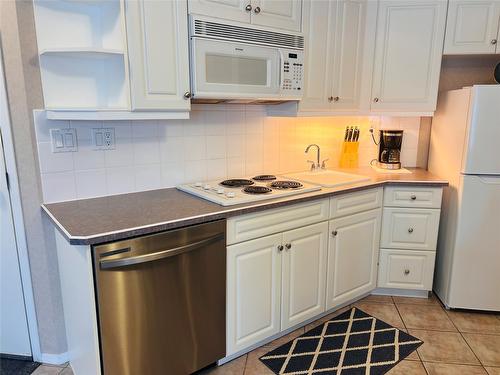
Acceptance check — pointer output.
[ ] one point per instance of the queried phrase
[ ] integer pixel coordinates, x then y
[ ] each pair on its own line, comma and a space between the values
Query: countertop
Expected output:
99, 220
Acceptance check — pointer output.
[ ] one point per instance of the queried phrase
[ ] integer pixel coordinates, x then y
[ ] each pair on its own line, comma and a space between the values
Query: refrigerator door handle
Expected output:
123, 262
494, 180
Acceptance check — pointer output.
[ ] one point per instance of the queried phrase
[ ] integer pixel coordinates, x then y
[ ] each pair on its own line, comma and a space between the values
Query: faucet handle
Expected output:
323, 163
313, 165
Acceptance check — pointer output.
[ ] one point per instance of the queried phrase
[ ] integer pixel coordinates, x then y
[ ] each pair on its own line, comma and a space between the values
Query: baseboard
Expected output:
401, 292
55, 359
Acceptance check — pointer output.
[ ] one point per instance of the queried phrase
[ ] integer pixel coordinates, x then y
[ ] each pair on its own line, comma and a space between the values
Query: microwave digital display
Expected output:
292, 55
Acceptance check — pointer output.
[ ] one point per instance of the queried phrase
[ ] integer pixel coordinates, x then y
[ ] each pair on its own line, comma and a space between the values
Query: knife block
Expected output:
349, 155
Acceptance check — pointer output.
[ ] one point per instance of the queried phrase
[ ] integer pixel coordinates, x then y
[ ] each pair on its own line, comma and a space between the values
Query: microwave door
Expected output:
224, 70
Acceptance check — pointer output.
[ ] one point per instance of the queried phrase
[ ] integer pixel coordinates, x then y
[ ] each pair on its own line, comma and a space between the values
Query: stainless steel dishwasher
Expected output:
162, 301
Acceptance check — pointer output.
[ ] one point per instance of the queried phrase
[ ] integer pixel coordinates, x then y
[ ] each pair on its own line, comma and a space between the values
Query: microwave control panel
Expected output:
292, 72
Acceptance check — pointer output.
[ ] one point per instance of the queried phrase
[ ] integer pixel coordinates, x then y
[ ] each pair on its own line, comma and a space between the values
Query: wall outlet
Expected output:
63, 140
103, 138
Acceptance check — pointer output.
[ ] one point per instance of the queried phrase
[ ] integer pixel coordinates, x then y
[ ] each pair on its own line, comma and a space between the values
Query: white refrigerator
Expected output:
465, 150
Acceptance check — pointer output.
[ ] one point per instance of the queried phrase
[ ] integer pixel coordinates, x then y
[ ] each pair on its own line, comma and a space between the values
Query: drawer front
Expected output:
406, 269
410, 228
352, 203
247, 227
407, 196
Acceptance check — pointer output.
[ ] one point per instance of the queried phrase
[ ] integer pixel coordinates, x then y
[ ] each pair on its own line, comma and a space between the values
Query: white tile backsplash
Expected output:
217, 142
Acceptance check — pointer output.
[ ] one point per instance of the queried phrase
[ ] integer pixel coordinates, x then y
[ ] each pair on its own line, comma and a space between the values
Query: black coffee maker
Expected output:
389, 148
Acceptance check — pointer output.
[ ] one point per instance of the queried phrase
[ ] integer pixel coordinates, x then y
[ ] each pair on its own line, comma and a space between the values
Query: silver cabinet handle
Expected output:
336, 99
288, 246
280, 247
413, 197
122, 262
257, 10
334, 233
330, 98
410, 230
407, 271
187, 95
494, 41
248, 8
376, 100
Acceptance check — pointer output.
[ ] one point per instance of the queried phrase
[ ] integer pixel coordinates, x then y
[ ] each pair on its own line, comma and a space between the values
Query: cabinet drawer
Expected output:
246, 227
406, 269
410, 228
352, 203
419, 197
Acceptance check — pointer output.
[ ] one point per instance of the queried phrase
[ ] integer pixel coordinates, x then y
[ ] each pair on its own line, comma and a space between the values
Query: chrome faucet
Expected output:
316, 165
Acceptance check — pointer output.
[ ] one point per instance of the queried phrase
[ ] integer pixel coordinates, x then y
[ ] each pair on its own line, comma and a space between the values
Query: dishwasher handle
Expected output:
123, 262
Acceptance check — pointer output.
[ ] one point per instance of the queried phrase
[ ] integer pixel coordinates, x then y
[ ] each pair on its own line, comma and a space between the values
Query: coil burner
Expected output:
283, 185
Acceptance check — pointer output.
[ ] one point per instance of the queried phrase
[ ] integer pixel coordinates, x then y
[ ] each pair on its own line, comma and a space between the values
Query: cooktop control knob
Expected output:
230, 194
220, 191
207, 187
198, 184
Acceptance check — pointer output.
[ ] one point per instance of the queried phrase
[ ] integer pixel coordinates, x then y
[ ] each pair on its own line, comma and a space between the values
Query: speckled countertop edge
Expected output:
224, 212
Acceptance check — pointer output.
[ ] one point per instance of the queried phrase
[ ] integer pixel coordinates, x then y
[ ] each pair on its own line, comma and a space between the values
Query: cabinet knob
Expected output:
410, 230
336, 99
288, 246
407, 271
248, 8
413, 197
494, 41
280, 247
257, 10
187, 95
330, 98
376, 100
334, 233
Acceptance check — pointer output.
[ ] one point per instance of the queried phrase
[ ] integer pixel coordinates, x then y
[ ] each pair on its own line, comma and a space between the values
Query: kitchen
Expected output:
201, 185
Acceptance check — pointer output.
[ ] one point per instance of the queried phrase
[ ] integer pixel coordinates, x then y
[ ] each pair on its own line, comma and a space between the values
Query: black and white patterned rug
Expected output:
351, 343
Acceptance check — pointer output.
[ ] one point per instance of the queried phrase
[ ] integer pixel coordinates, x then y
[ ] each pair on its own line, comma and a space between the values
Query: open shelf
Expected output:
83, 52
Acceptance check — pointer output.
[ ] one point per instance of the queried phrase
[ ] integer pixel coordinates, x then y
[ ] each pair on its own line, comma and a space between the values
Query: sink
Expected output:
327, 178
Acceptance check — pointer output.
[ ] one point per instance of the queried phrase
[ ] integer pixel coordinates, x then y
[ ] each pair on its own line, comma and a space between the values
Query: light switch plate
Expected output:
63, 140
103, 138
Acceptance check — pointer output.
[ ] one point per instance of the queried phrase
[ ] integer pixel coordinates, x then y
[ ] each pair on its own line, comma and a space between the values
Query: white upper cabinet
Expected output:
304, 273
280, 14
352, 256
234, 10
408, 51
472, 27
339, 54
158, 52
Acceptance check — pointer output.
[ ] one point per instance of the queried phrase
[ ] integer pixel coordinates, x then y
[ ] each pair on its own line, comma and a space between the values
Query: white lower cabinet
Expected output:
274, 283
352, 256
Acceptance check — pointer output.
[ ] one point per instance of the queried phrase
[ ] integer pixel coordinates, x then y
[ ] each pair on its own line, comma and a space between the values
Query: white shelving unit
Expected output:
82, 49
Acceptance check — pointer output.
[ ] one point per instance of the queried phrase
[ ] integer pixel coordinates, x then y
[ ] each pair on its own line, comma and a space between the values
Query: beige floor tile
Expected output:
47, 370
386, 312
254, 366
473, 322
448, 347
425, 317
493, 370
408, 368
69, 371
235, 367
283, 340
450, 369
432, 300
326, 318
377, 299
486, 347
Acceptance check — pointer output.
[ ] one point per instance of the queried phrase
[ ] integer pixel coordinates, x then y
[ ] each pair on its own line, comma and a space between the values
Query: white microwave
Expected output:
234, 62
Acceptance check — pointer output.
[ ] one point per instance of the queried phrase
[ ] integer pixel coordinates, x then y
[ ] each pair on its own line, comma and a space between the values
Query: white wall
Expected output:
218, 141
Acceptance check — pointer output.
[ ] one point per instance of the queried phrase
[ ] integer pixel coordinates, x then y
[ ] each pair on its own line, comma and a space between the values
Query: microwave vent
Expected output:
217, 30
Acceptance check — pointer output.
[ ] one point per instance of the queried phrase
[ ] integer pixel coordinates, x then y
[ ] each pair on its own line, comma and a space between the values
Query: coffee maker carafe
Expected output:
389, 149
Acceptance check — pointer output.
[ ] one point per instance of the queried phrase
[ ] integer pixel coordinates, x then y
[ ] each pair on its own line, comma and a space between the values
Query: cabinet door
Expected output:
351, 53
304, 274
281, 14
319, 21
352, 257
233, 10
408, 51
157, 36
472, 27
253, 292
